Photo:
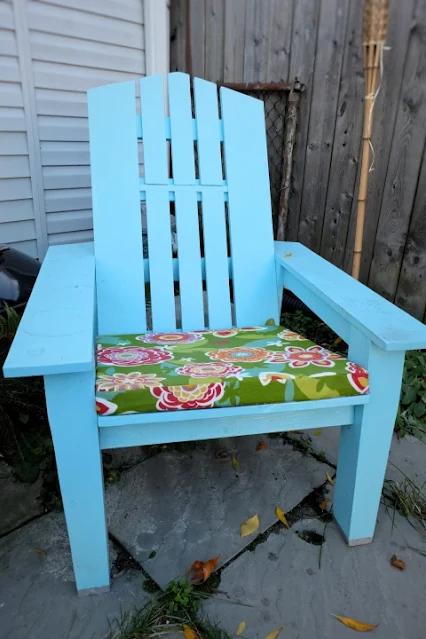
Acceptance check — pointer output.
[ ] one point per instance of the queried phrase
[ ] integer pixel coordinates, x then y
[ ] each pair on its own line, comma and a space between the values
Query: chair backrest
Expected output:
217, 173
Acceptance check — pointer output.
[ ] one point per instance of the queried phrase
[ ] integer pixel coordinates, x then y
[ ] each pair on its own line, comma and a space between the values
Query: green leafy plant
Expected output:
411, 416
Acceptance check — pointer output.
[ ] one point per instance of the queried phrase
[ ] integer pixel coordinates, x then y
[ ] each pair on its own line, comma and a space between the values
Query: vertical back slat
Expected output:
116, 209
181, 129
216, 259
206, 111
250, 216
154, 130
190, 275
160, 261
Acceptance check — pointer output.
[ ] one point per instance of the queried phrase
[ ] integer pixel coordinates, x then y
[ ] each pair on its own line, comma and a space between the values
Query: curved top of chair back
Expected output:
211, 172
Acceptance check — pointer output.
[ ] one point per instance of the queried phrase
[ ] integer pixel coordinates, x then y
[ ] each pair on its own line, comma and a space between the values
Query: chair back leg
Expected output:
73, 422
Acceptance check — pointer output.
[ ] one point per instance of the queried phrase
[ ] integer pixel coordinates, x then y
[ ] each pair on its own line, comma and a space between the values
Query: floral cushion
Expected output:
211, 369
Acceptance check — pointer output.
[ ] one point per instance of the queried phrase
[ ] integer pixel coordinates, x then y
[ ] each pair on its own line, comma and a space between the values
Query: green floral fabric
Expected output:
212, 369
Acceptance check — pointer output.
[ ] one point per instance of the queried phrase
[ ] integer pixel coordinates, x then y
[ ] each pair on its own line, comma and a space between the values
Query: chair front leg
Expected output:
71, 409
364, 445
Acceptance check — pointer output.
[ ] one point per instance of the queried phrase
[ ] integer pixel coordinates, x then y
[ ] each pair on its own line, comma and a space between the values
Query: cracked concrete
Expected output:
189, 505
281, 584
37, 593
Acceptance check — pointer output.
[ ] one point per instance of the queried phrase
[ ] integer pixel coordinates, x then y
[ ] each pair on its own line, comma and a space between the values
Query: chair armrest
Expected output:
57, 331
311, 277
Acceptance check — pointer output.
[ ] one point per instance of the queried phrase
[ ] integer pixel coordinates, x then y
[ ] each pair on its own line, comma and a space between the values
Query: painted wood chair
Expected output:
184, 382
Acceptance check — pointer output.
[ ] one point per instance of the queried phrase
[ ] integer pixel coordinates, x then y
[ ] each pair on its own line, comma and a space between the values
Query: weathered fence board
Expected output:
319, 42
341, 193
411, 293
404, 164
302, 66
322, 121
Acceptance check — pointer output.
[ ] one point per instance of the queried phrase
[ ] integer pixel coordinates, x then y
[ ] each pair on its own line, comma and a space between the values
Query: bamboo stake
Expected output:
374, 36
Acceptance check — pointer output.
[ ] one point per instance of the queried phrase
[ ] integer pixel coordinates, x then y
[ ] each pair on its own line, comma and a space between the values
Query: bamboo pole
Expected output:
374, 37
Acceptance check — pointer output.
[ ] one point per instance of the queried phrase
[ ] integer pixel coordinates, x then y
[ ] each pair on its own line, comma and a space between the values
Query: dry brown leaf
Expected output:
249, 526
200, 571
274, 634
39, 551
329, 479
189, 633
235, 463
241, 628
262, 445
323, 505
288, 254
317, 432
281, 516
355, 624
398, 563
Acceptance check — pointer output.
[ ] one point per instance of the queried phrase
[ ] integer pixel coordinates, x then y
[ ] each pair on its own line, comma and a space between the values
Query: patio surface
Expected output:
189, 505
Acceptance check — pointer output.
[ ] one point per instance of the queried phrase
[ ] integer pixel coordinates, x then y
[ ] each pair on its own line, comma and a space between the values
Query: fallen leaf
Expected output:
337, 341
189, 633
355, 624
288, 254
281, 516
317, 432
323, 505
152, 554
39, 551
398, 563
200, 571
329, 479
235, 463
250, 526
262, 445
274, 634
241, 627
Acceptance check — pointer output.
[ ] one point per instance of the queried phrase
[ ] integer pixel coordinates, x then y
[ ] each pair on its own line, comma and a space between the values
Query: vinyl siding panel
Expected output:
73, 46
17, 226
74, 49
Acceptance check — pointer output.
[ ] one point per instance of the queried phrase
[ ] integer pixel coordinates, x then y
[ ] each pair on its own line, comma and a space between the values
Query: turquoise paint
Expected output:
56, 335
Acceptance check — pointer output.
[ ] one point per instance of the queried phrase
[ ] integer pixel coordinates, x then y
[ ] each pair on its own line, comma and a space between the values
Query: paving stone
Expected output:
19, 502
407, 454
189, 506
281, 583
38, 599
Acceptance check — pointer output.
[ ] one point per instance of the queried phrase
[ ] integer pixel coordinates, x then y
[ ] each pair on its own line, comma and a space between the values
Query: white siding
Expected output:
17, 226
71, 46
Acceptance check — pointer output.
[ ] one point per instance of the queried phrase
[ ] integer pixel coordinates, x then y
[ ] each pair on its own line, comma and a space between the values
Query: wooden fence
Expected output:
319, 42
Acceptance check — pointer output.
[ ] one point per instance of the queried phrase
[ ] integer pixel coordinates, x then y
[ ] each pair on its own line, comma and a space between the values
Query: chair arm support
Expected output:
320, 284
57, 331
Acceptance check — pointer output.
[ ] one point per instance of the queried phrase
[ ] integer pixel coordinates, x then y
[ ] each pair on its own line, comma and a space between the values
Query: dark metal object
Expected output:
18, 273
282, 100
292, 303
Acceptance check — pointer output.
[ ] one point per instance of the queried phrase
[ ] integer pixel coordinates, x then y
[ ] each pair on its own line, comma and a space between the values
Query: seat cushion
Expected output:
212, 369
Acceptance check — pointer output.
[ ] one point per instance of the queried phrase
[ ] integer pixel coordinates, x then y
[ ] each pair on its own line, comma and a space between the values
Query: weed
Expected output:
408, 498
166, 612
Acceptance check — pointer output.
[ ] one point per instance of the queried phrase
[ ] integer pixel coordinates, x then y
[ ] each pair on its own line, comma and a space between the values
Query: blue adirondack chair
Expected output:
91, 289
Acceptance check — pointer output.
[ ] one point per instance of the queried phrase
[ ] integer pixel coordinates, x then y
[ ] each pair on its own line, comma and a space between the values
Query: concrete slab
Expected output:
37, 593
189, 506
284, 585
407, 455
19, 502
